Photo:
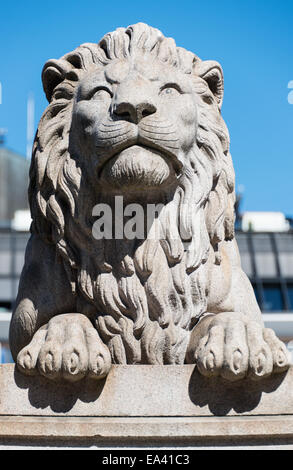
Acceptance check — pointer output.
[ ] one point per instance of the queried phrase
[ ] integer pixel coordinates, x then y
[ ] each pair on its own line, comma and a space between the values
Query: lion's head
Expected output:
137, 116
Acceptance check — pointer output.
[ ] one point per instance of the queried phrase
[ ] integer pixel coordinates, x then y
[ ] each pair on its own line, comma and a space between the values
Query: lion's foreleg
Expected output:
44, 292
232, 341
45, 338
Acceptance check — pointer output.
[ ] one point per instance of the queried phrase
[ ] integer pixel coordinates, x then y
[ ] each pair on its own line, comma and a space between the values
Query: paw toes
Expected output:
235, 365
206, 363
235, 351
74, 362
281, 359
50, 358
260, 357
26, 362
99, 354
209, 354
28, 357
234, 348
68, 347
99, 364
261, 363
281, 355
237, 361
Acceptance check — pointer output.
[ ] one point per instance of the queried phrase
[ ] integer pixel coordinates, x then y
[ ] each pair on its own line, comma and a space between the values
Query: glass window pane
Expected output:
286, 264
284, 242
273, 299
264, 256
5, 259
265, 265
5, 263
4, 242
5, 290
290, 295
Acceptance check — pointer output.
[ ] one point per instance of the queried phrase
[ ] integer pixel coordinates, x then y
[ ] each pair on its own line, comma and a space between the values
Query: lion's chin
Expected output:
139, 168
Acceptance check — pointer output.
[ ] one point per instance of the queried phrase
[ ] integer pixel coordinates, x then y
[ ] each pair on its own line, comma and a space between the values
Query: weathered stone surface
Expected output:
137, 118
145, 391
269, 431
146, 406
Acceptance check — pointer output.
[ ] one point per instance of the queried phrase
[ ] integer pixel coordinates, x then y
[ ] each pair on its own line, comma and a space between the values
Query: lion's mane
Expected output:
146, 309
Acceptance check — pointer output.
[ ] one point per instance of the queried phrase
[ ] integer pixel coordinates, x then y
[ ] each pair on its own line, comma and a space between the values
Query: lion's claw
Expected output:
234, 349
67, 347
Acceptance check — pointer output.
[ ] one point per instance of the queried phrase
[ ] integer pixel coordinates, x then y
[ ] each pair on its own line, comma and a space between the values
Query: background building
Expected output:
14, 170
14, 174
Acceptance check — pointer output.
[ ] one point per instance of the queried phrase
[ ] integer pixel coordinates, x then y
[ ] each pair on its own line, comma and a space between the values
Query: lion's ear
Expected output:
212, 73
53, 73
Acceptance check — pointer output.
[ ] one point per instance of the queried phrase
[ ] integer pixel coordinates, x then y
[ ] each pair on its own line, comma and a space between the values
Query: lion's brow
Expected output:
111, 79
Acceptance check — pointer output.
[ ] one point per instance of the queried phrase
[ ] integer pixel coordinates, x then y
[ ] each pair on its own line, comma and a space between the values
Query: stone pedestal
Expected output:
152, 406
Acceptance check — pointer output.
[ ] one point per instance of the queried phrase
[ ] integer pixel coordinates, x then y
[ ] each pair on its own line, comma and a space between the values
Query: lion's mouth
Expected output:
159, 137
140, 165
168, 157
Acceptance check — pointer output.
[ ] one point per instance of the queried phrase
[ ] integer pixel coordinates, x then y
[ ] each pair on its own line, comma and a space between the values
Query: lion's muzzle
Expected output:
138, 167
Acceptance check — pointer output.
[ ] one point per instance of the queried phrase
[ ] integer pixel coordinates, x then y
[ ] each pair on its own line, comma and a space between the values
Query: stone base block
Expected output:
152, 406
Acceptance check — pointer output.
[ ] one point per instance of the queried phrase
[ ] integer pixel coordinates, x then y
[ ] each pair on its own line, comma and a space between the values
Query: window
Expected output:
290, 295
264, 255
273, 299
284, 242
5, 254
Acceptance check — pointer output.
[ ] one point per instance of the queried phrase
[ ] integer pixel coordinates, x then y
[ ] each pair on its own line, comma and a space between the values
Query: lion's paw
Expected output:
234, 349
67, 347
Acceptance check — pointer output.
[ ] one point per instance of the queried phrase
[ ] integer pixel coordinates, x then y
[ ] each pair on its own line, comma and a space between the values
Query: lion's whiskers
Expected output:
113, 140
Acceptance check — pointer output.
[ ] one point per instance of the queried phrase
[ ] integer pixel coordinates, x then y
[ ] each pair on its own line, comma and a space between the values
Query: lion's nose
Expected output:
133, 112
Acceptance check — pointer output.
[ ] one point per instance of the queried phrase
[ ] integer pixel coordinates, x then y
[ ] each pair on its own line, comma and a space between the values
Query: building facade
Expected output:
14, 176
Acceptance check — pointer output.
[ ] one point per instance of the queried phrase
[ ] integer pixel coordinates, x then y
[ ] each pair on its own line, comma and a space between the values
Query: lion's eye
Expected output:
208, 99
170, 90
100, 94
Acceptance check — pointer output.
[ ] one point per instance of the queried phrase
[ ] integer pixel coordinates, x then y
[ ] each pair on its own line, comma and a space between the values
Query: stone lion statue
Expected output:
136, 117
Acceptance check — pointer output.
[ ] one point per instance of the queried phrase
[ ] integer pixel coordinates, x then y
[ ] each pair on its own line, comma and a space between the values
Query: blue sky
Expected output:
251, 39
